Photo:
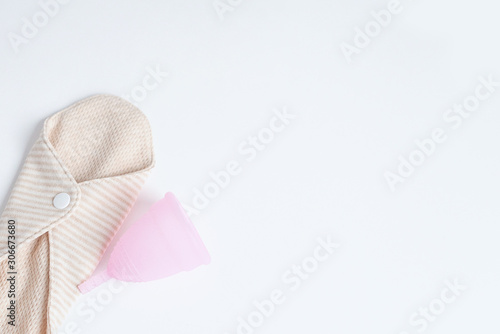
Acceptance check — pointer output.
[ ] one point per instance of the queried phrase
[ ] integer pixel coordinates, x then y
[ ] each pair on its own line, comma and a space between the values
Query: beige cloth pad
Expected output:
98, 151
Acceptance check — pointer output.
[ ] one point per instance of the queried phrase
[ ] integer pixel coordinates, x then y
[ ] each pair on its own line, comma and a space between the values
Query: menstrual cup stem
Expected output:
93, 282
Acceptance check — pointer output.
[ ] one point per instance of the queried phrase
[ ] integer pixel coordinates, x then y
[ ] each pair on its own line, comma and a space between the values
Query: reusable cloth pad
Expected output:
98, 151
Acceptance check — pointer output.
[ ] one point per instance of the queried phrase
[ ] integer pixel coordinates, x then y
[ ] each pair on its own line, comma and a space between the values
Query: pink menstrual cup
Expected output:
160, 244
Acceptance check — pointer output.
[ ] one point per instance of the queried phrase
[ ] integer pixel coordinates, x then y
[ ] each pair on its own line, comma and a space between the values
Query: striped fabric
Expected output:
98, 151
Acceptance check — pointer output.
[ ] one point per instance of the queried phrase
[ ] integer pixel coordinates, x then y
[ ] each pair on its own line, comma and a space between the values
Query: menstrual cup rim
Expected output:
201, 248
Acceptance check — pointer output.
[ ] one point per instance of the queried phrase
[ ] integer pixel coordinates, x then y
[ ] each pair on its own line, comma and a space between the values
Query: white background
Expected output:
323, 175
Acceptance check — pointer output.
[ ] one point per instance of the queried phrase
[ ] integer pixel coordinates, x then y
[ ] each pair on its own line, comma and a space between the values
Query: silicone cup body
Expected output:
161, 243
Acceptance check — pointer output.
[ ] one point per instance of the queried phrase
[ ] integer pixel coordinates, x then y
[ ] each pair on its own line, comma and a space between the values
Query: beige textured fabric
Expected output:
99, 151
